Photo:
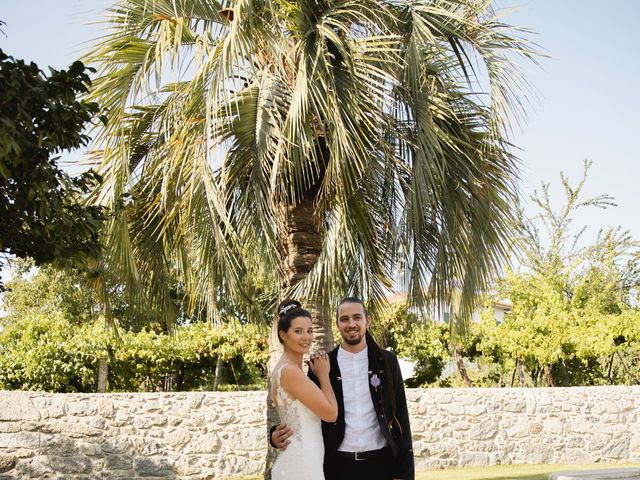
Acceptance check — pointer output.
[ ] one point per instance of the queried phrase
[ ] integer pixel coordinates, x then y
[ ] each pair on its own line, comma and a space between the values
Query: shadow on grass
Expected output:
513, 472
544, 475
533, 476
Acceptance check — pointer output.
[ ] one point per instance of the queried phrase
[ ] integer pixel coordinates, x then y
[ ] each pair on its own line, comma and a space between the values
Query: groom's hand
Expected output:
280, 436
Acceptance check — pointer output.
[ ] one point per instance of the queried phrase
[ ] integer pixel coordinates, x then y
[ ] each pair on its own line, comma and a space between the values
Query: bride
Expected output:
300, 403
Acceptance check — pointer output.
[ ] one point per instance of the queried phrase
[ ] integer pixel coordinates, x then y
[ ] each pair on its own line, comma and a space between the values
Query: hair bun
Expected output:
288, 307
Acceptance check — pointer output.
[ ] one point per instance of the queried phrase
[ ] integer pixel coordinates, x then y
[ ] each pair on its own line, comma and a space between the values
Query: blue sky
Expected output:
589, 101
587, 107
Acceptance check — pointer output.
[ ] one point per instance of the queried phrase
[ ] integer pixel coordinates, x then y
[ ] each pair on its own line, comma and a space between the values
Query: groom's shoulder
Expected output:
389, 355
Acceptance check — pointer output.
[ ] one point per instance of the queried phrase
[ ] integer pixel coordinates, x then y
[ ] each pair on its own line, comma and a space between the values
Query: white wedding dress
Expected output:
302, 460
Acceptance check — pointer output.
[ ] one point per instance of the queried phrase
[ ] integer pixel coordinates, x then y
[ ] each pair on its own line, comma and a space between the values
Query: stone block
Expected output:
142, 423
227, 419
50, 407
113, 475
55, 411
535, 428
617, 449
126, 431
97, 422
52, 426
175, 421
82, 408
461, 425
578, 456
58, 443
118, 462
417, 410
154, 420
540, 454
195, 400
210, 443
532, 404
484, 431
153, 467
71, 465
606, 408
553, 426
475, 410
178, 438
146, 446
515, 406
474, 459
116, 445
36, 467
634, 447
17, 406
7, 462
20, 440
105, 408
89, 448
452, 408
414, 395
581, 426
519, 430
80, 429
10, 427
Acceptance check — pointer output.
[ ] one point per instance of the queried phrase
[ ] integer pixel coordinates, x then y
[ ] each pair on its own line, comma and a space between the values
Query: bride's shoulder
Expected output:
289, 370
290, 374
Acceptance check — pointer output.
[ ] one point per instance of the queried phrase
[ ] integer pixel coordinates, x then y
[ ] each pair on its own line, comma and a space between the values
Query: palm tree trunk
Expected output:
103, 373
300, 249
217, 374
179, 376
462, 369
521, 374
610, 368
549, 375
565, 373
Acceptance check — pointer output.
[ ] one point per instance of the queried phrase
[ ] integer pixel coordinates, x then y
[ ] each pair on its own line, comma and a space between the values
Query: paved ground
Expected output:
608, 474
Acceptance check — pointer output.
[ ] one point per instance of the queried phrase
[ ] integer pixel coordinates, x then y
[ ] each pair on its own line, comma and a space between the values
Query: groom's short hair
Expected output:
352, 300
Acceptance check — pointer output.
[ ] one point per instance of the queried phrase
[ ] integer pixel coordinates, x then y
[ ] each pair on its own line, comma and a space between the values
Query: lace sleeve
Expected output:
284, 403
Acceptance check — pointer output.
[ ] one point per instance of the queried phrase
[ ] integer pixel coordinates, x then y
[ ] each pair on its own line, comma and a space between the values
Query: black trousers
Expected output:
379, 467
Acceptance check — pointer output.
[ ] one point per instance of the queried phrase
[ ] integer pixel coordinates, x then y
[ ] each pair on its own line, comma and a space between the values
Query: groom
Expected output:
371, 437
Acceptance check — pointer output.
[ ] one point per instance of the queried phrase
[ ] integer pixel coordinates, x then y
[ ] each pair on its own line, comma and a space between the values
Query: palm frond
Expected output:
226, 118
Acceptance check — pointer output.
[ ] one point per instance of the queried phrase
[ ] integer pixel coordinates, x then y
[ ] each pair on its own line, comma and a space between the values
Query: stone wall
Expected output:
127, 436
222, 435
486, 426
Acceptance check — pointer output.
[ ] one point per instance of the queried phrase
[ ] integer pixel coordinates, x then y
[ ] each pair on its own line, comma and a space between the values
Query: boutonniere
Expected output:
375, 381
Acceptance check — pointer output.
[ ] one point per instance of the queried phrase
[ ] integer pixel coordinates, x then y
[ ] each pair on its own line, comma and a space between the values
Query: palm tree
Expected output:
326, 147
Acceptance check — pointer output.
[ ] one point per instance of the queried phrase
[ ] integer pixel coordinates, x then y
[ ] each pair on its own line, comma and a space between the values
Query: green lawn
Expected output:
509, 472
504, 472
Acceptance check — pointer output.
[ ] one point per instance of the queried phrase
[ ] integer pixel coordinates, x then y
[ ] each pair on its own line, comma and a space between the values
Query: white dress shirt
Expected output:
362, 431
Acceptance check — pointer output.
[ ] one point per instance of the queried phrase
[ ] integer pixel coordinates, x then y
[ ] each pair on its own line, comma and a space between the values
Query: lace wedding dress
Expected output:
302, 460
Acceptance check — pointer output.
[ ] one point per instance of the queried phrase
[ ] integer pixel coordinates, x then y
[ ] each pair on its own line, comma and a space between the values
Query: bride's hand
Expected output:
319, 365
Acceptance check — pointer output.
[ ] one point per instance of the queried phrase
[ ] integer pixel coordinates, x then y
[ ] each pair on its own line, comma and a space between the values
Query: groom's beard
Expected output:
353, 340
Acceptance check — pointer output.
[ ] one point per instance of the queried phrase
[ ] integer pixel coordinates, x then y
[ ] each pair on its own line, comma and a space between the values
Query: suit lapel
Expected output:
336, 382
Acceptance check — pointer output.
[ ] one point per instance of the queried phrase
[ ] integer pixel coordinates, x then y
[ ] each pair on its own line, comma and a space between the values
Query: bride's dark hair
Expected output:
287, 311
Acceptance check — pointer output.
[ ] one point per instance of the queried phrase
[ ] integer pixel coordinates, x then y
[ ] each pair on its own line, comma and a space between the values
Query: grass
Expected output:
510, 472
503, 472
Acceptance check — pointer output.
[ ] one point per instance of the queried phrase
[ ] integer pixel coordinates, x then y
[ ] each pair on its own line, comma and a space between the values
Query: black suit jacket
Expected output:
396, 430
